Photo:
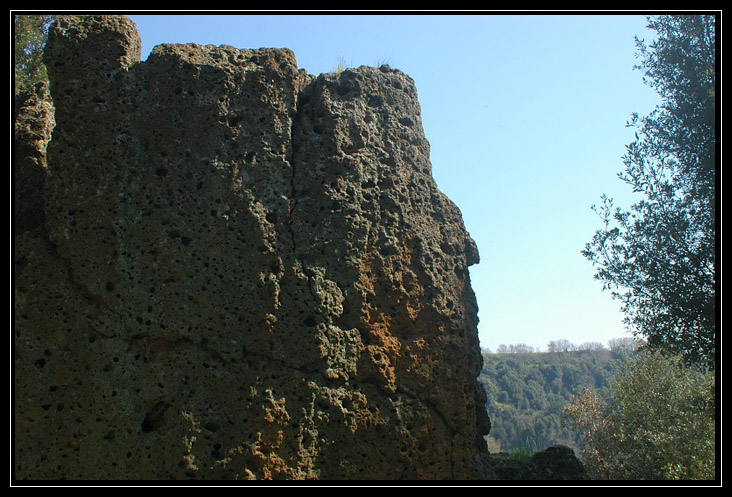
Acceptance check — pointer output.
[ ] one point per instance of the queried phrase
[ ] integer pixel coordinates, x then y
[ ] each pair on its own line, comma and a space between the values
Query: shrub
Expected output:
658, 424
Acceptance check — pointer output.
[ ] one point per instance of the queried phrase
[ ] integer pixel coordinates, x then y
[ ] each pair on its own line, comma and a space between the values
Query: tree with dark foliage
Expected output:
30, 32
659, 258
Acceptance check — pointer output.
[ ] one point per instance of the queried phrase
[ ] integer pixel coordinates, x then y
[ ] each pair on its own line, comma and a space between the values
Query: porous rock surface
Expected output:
240, 271
33, 128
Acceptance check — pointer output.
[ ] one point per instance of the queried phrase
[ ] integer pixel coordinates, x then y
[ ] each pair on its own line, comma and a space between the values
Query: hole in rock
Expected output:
155, 418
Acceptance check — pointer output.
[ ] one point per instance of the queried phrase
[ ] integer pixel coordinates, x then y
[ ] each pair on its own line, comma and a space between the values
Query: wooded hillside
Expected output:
527, 391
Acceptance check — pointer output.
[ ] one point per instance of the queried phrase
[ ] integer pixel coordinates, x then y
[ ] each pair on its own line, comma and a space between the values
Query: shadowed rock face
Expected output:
245, 271
33, 128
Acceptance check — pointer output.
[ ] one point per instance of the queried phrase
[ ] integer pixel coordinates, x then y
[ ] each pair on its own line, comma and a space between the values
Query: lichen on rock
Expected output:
243, 271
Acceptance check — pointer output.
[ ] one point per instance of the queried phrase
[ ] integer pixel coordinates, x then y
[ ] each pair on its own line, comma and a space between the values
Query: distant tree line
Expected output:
564, 345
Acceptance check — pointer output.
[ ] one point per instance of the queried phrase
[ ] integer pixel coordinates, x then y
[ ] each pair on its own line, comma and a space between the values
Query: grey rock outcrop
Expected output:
241, 271
557, 462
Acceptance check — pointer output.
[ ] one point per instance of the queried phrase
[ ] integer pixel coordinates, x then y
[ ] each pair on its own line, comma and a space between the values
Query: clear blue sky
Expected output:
525, 115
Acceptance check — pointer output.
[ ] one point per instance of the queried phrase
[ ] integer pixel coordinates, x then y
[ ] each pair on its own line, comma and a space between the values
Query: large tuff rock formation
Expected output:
240, 271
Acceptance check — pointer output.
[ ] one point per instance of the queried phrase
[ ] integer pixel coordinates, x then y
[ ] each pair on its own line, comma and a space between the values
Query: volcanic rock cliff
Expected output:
227, 268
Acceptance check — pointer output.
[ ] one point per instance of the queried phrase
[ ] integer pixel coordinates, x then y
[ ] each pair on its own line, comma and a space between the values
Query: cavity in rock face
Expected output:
244, 272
